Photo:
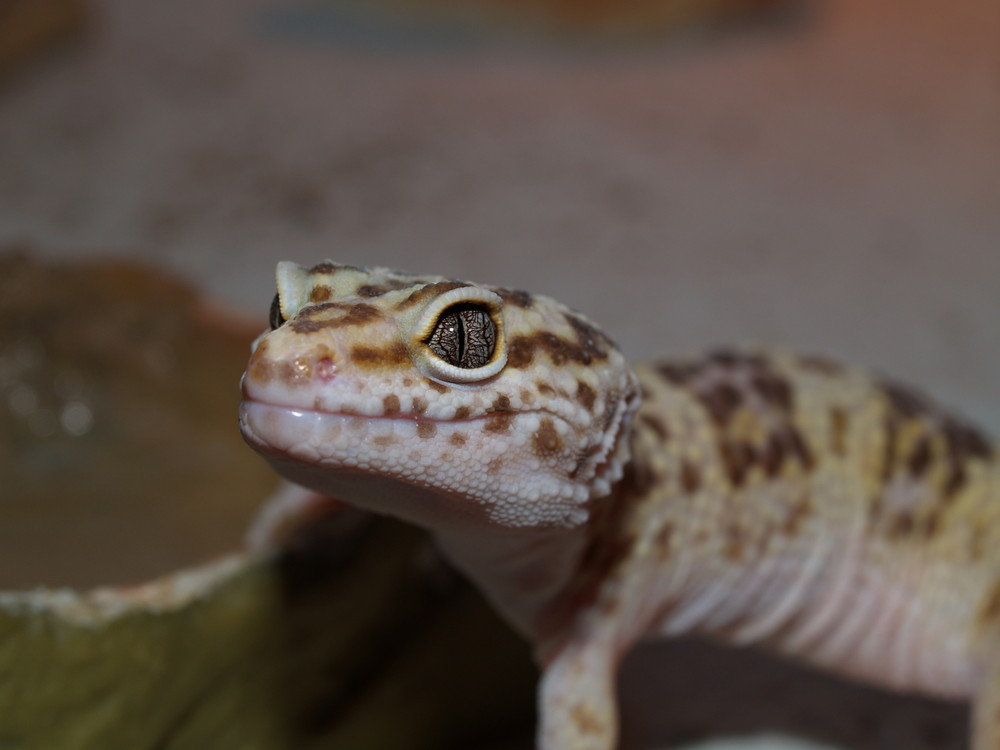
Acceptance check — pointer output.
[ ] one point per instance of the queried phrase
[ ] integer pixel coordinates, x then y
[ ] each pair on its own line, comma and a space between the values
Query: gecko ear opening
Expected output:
459, 337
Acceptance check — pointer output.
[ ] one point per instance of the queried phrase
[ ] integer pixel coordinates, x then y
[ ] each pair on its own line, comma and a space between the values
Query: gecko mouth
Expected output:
406, 417
271, 425
249, 396
341, 441
380, 411
322, 436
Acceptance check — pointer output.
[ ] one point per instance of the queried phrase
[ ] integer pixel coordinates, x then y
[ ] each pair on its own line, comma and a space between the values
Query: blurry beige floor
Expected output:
832, 185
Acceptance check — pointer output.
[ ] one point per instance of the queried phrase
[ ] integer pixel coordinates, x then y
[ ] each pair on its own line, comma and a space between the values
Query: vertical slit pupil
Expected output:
464, 336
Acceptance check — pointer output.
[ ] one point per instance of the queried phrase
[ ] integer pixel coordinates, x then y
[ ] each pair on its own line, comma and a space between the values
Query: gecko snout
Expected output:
316, 364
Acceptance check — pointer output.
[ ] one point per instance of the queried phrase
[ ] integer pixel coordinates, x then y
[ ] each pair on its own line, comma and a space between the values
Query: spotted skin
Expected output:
760, 497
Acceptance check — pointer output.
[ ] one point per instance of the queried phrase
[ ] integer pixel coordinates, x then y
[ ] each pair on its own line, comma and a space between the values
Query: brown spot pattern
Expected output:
727, 358
942, 440
377, 290
500, 403
261, 367
721, 402
521, 350
751, 404
658, 427
773, 388
724, 380
957, 477
739, 457
352, 315
772, 457
462, 412
390, 404
991, 605
609, 540
585, 395
426, 429
586, 720
457, 438
905, 402
797, 515
891, 437
320, 293
838, 431
795, 445
678, 374
392, 355
965, 442
737, 460
436, 386
592, 341
931, 524
500, 421
295, 373
325, 268
546, 441
820, 365
640, 475
516, 297
419, 405
663, 538
920, 459
690, 478
428, 291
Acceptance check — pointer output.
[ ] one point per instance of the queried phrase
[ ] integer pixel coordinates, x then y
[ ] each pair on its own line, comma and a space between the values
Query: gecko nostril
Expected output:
325, 369
292, 369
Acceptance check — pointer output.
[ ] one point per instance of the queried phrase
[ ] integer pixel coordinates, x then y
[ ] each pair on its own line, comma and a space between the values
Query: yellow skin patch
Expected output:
759, 497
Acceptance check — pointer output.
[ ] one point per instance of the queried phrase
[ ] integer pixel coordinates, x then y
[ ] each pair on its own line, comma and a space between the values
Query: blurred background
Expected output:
823, 175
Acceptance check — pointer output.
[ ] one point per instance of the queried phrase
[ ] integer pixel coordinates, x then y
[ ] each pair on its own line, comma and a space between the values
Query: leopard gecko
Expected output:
757, 497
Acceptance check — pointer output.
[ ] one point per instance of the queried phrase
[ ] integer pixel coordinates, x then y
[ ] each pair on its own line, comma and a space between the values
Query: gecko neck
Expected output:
523, 572
539, 578
526, 572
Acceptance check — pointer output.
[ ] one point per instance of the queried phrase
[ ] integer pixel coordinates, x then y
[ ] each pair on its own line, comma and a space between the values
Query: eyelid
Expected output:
436, 368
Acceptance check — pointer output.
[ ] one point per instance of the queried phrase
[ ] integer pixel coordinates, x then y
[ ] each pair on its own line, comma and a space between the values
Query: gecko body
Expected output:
759, 497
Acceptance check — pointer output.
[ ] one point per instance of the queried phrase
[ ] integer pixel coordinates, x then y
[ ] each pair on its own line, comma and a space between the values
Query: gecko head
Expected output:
431, 398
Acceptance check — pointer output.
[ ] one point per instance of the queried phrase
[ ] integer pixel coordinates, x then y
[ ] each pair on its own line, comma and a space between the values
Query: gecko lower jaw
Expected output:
252, 395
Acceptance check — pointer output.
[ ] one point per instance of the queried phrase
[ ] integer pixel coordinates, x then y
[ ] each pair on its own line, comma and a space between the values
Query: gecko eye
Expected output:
277, 319
464, 336
459, 336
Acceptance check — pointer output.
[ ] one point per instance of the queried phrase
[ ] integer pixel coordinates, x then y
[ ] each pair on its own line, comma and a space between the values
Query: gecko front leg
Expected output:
577, 701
